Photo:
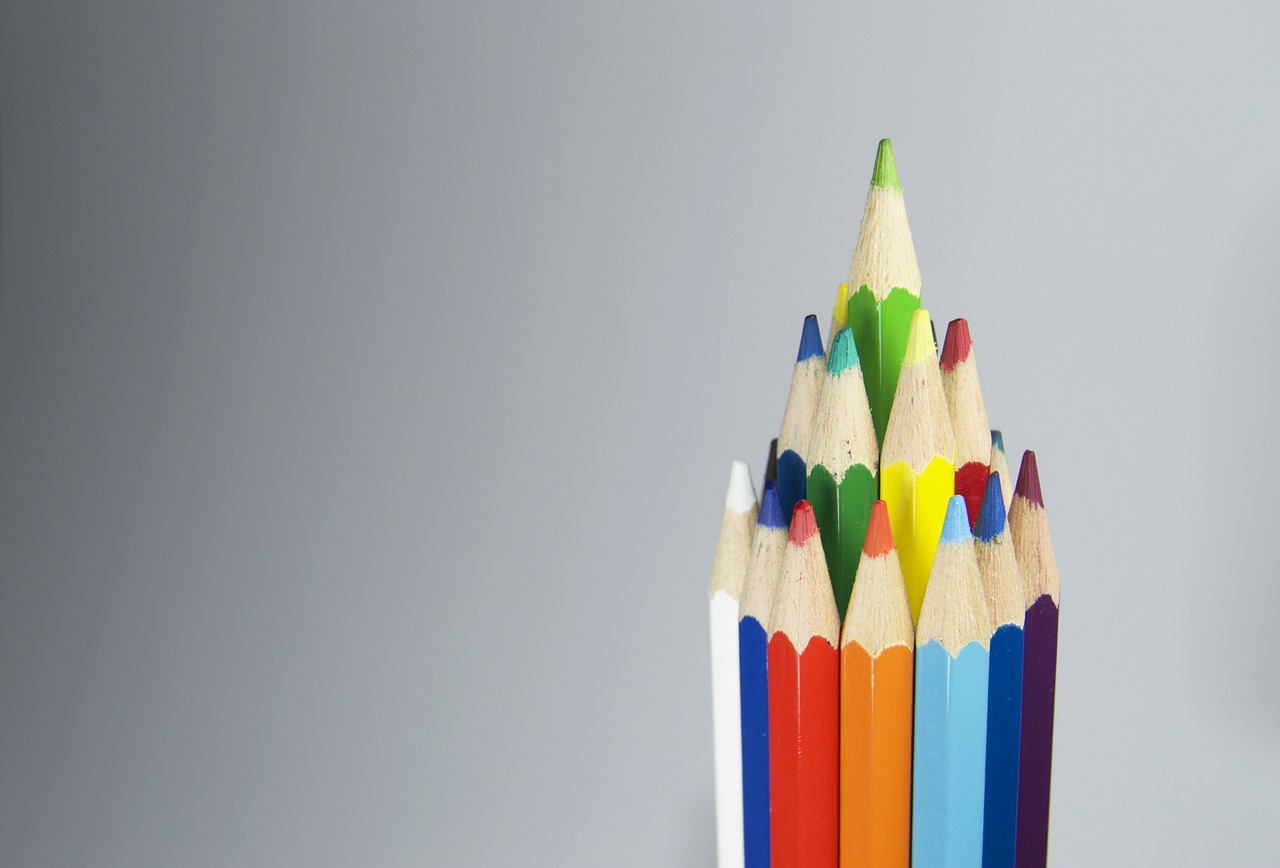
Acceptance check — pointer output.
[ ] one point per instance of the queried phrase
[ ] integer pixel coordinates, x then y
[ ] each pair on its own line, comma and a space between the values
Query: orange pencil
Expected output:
876, 683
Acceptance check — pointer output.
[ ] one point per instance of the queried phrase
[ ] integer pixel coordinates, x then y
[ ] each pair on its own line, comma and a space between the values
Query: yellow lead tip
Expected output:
920, 345
840, 316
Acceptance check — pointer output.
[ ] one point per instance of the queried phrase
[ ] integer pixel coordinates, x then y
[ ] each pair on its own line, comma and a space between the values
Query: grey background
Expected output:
370, 373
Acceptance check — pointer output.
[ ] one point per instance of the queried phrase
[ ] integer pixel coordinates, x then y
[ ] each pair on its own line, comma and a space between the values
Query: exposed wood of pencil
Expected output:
797, 418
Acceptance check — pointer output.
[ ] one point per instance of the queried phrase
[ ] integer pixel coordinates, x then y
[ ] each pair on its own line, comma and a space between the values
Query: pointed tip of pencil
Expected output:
771, 506
997, 440
742, 494
879, 539
955, 527
1029, 479
843, 355
920, 345
885, 174
840, 313
771, 464
810, 339
957, 345
803, 524
991, 515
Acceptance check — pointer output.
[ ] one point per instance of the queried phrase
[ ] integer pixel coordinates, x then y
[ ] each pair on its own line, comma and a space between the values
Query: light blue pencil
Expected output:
952, 668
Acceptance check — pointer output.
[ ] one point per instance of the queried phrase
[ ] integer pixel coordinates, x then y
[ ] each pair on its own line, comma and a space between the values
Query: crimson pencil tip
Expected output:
879, 539
1029, 480
803, 524
958, 344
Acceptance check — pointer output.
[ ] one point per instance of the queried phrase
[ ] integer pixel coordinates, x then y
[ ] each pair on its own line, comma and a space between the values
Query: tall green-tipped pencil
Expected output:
843, 459
884, 287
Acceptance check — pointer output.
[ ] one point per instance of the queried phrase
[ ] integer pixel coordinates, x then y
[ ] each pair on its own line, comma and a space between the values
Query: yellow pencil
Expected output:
917, 463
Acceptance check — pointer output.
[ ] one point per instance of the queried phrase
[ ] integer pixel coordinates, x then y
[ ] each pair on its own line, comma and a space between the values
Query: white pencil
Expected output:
728, 573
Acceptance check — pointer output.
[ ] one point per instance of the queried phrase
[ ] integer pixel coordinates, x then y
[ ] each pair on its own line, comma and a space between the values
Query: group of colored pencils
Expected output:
884, 619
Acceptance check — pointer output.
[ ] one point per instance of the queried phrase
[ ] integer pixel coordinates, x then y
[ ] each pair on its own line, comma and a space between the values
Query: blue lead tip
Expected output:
997, 439
771, 507
810, 340
991, 515
956, 526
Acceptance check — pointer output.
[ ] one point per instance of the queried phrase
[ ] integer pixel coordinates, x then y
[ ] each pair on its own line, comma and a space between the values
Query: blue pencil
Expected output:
1003, 589
763, 571
797, 419
949, 762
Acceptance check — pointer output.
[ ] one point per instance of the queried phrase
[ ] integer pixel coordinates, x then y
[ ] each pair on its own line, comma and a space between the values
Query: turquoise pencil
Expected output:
949, 764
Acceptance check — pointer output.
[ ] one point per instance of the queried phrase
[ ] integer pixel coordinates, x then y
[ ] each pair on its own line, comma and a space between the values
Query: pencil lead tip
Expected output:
920, 345
844, 355
810, 339
771, 507
997, 440
803, 524
957, 346
742, 494
840, 314
879, 539
885, 174
991, 515
1029, 480
955, 527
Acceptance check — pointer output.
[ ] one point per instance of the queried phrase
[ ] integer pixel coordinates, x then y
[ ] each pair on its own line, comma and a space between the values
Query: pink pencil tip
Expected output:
803, 524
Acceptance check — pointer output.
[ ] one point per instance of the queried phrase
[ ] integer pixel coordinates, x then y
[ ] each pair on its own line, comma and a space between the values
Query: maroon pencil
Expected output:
1039, 570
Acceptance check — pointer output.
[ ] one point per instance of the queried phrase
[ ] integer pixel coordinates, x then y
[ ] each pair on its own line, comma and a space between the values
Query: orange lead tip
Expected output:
879, 535
803, 524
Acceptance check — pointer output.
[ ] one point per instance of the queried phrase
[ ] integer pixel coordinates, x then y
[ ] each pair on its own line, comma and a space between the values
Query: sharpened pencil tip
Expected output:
771, 507
879, 539
957, 345
997, 440
844, 355
991, 515
885, 174
810, 339
803, 524
920, 345
1029, 480
955, 528
840, 314
742, 494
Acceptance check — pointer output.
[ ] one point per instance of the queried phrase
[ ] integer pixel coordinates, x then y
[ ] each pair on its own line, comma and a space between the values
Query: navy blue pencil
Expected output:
797, 419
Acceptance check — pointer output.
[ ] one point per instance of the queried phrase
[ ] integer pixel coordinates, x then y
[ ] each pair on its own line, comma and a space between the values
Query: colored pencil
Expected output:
843, 457
771, 463
763, 573
1039, 570
968, 416
884, 287
728, 573
917, 473
1003, 591
1000, 464
875, 709
797, 419
804, 700
952, 641
839, 314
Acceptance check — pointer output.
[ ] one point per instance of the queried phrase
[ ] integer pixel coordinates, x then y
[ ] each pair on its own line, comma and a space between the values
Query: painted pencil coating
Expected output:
950, 752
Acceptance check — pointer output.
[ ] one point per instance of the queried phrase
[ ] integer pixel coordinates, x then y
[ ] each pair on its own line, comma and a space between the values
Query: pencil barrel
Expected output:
1039, 678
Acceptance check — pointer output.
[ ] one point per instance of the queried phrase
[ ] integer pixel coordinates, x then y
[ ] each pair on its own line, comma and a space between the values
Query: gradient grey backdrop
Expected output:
370, 373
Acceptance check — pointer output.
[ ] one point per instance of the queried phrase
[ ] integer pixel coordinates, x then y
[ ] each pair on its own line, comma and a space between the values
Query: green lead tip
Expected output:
843, 355
885, 174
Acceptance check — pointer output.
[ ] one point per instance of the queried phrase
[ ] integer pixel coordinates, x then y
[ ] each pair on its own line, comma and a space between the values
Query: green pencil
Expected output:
843, 457
884, 287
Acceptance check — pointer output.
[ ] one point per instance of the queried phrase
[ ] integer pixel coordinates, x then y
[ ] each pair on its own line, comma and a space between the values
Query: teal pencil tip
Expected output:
955, 528
844, 354
885, 174
997, 439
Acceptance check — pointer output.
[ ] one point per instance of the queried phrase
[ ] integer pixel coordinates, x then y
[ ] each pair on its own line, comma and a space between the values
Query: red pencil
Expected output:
804, 704
968, 416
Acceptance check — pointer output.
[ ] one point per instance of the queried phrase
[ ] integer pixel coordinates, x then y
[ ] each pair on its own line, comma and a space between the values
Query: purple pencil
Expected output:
1039, 570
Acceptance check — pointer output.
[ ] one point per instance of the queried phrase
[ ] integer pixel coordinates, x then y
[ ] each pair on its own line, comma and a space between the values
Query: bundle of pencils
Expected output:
884, 622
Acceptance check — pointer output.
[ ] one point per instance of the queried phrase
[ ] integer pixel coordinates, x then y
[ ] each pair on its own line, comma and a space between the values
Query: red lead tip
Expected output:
879, 535
1029, 480
803, 524
957, 346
